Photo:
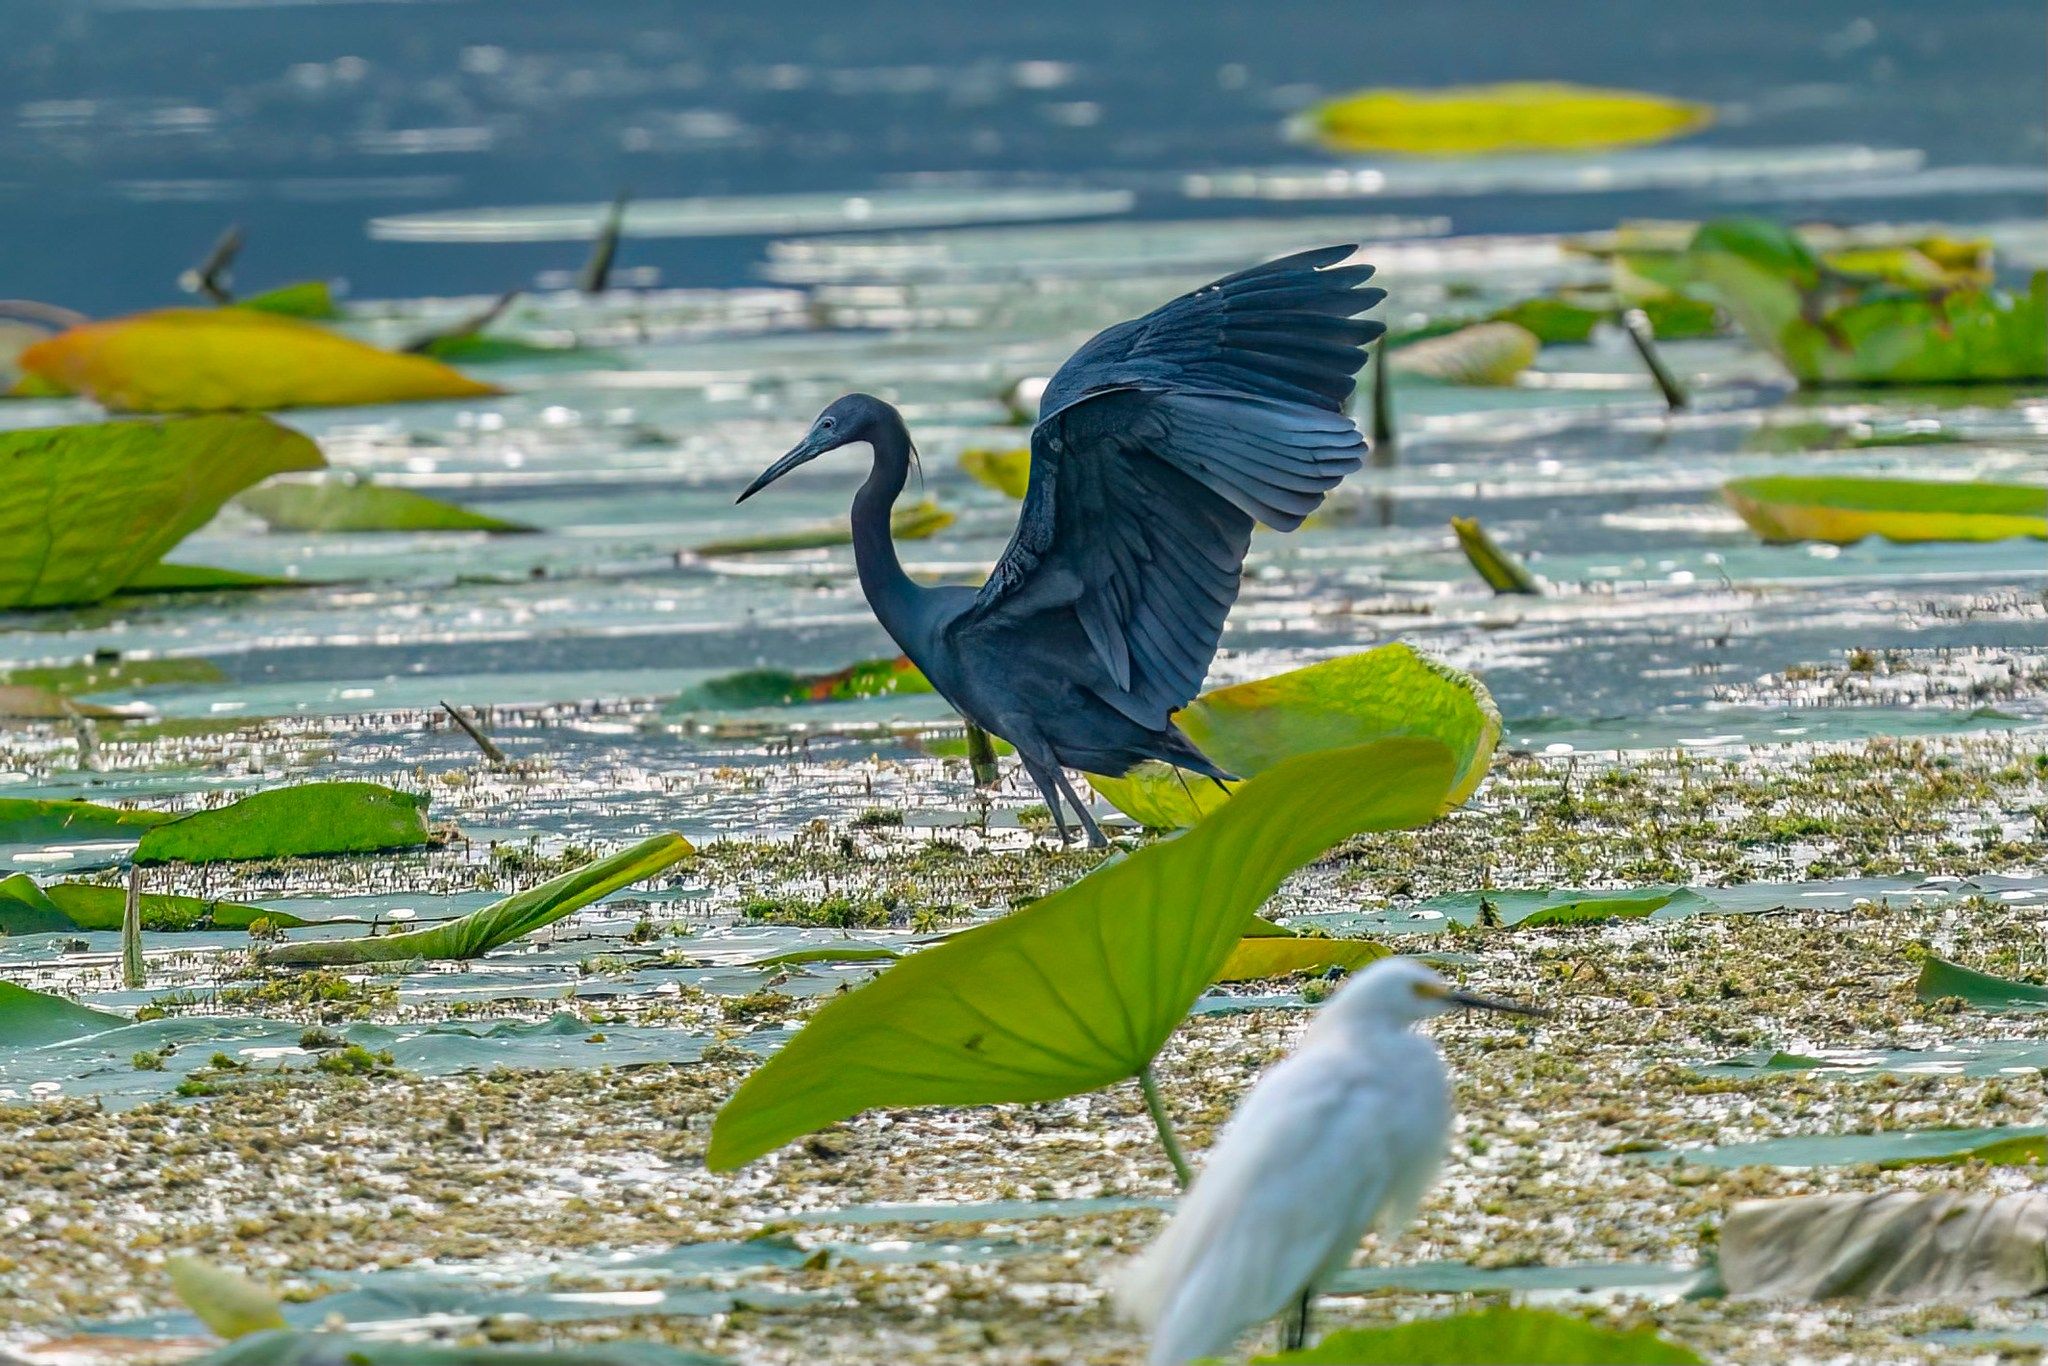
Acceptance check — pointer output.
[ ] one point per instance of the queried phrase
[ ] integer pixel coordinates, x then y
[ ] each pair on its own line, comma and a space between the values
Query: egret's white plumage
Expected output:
1342, 1138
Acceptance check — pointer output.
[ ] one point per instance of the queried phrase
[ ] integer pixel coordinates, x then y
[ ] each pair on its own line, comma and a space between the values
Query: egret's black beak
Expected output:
809, 449
1471, 1002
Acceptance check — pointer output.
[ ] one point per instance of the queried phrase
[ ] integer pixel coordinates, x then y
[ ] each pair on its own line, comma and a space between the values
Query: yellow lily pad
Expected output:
1007, 472
234, 360
1518, 116
1259, 957
1841, 510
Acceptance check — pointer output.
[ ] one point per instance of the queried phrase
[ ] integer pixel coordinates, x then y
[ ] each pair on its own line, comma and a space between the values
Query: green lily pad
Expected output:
831, 953
353, 505
93, 906
85, 511
25, 909
1842, 510
1248, 727
1941, 980
1261, 956
1492, 354
1594, 910
912, 523
114, 675
311, 299
780, 688
1007, 472
227, 1302
475, 934
1515, 116
48, 820
475, 348
1830, 326
1080, 989
200, 578
1502, 572
29, 1019
303, 821
1490, 1337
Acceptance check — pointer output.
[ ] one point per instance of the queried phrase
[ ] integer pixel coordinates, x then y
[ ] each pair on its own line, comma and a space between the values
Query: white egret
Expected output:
1341, 1138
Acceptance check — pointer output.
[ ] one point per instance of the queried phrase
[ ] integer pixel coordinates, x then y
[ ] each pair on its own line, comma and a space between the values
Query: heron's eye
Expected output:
826, 423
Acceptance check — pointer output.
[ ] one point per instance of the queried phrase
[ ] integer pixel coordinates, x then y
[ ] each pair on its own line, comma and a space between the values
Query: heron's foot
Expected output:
1294, 1336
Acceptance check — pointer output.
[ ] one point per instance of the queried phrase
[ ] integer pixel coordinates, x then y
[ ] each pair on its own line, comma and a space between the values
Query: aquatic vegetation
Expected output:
111, 673
1503, 572
475, 934
1595, 910
915, 522
193, 360
1079, 990
1258, 957
1563, 319
30, 1018
86, 510
1886, 1245
780, 688
1844, 509
1007, 472
312, 300
46, 820
302, 821
227, 1302
357, 505
26, 908
1830, 327
1248, 727
1525, 116
1502, 1333
1492, 353
1941, 980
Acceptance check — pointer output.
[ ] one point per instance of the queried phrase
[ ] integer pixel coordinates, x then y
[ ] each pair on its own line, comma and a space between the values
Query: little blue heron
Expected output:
1159, 443
1343, 1137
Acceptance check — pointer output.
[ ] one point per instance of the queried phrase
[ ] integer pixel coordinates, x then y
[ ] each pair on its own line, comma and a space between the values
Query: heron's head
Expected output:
1403, 991
854, 418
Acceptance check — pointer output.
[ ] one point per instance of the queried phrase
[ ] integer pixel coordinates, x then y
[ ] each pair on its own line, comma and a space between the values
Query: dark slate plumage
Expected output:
1160, 443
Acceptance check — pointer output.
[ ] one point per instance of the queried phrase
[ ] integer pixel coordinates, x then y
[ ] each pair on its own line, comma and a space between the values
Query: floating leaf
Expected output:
1257, 957
1843, 509
86, 510
304, 821
475, 934
780, 688
1080, 989
25, 909
1490, 1337
1829, 327
1940, 980
2029, 1149
30, 1019
1502, 572
233, 359
1891, 1245
49, 820
92, 906
1594, 910
1248, 727
1552, 321
354, 505
1516, 116
831, 953
114, 674
1482, 354
1007, 472
912, 523
199, 578
26, 703
227, 1302
476, 349
311, 299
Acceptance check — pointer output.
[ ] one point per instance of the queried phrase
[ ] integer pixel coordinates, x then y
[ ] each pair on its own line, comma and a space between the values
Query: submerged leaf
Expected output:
1491, 1337
1259, 956
353, 505
303, 821
85, 511
1080, 989
234, 359
1516, 116
1941, 980
1248, 727
912, 523
29, 1019
1007, 472
1502, 572
1483, 354
1891, 1245
475, 934
1844, 509
48, 820
227, 1302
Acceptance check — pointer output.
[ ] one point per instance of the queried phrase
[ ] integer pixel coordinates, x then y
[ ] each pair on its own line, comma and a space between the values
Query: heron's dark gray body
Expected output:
1159, 444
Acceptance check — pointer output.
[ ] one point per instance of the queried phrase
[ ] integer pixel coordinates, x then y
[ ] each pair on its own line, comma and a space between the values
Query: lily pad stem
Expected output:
1156, 1105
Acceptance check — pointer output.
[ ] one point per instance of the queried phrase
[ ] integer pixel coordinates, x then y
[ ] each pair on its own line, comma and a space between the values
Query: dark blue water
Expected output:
134, 130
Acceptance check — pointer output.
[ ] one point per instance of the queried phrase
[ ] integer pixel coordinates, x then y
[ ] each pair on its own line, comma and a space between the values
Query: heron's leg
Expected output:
1048, 778
1094, 831
1296, 1333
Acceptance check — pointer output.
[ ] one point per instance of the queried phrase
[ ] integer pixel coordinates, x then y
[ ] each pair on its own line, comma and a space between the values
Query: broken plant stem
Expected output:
1156, 1106
981, 755
131, 931
483, 741
1636, 323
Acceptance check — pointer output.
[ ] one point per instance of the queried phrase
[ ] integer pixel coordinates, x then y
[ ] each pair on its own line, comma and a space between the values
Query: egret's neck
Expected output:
889, 590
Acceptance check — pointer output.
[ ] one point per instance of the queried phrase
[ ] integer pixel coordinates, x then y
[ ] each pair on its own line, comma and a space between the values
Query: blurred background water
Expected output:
132, 131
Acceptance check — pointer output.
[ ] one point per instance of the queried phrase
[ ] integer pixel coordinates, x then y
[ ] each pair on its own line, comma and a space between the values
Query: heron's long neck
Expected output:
889, 590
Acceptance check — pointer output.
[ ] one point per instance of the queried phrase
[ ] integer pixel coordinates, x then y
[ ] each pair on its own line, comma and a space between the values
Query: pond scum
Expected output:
1736, 810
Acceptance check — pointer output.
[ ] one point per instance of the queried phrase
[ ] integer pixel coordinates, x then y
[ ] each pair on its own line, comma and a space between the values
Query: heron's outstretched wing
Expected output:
1287, 1192
1161, 441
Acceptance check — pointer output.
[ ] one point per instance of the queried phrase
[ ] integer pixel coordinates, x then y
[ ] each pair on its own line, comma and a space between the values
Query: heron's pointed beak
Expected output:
809, 449
1471, 1002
